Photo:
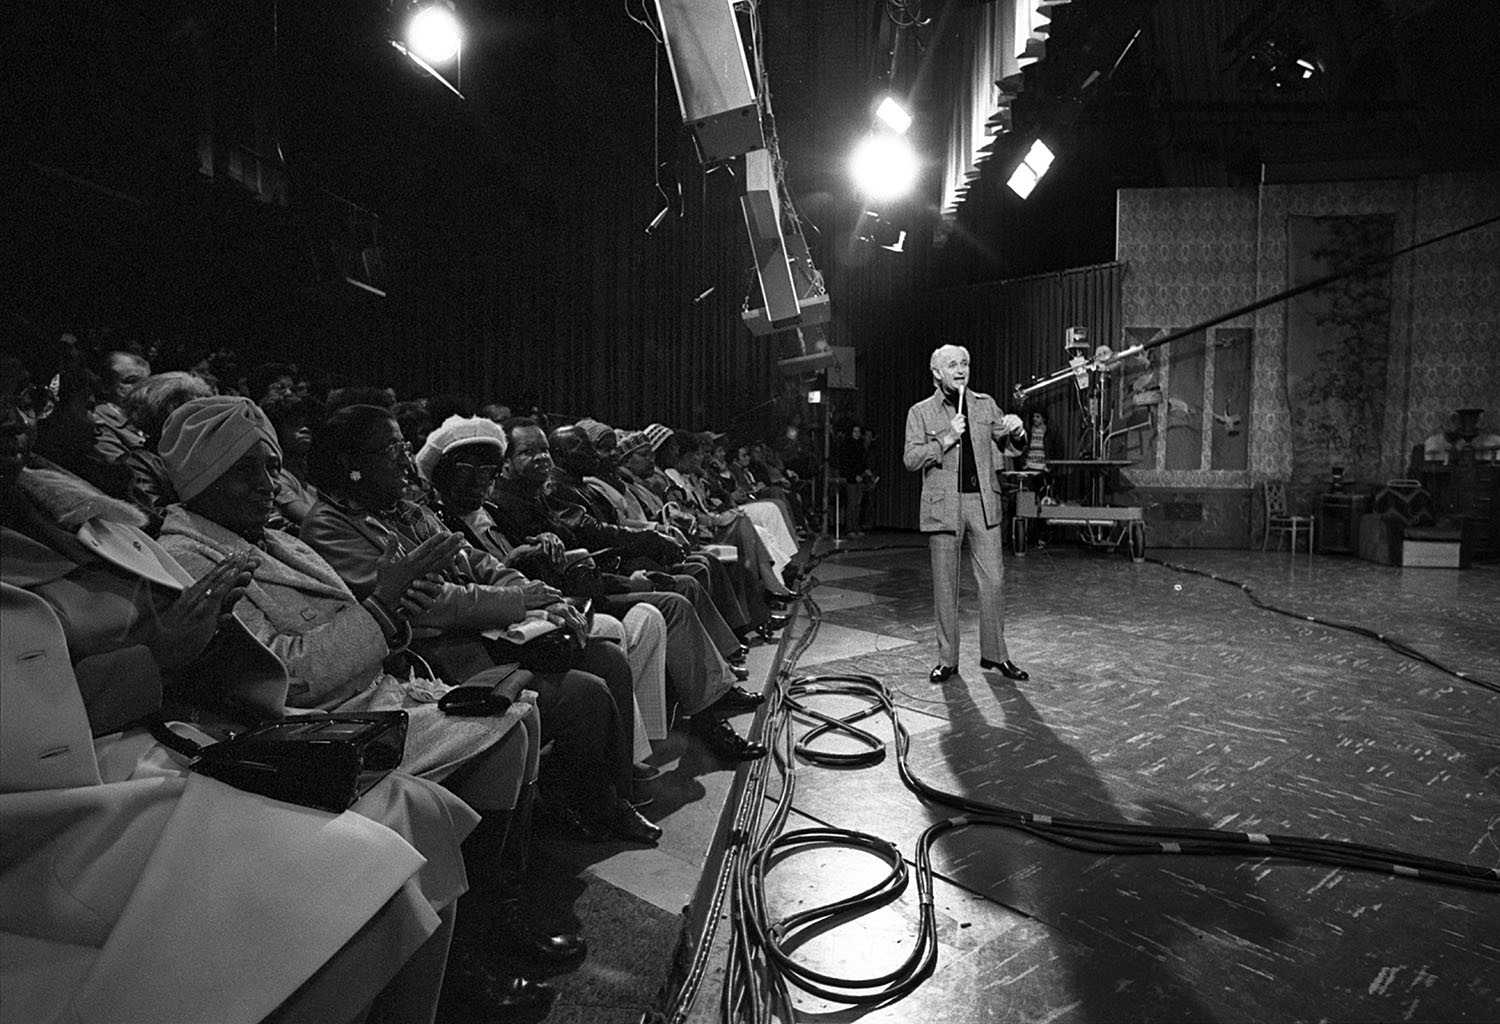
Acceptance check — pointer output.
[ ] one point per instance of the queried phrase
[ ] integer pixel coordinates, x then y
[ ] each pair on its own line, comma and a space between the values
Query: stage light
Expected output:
894, 115
1038, 159
884, 166
876, 230
815, 397
1023, 181
433, 32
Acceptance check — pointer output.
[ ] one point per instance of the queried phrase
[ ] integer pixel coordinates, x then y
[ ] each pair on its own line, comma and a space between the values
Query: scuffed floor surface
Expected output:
1167, 697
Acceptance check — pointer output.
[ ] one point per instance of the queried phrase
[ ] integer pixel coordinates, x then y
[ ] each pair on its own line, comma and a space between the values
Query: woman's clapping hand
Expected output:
185, 627
398, 569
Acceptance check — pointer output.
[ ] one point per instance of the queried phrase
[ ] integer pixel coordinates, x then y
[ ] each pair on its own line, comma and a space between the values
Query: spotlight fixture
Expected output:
1035, 164
876, 230
884, 166
894, 115
429, 32
433, 32
1281, 60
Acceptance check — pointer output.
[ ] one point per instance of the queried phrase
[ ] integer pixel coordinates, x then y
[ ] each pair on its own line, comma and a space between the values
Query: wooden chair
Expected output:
1281, 522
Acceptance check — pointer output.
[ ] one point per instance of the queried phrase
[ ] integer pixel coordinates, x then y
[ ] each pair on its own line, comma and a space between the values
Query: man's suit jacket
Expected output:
928, 419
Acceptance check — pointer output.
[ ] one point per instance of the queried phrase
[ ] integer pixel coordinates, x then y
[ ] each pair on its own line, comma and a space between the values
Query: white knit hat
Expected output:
456, 432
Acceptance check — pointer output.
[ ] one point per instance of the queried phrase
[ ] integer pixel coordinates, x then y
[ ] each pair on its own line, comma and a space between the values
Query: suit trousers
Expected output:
989, 573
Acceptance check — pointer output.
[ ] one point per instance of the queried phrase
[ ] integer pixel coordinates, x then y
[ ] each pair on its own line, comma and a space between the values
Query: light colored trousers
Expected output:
989, 572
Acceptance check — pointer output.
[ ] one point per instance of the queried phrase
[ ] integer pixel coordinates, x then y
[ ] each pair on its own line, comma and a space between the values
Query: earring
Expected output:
355, 475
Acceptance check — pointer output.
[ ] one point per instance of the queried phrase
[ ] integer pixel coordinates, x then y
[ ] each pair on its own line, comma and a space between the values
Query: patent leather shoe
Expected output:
739, 672
721, 739
737, 656
737, 698
767, 630
515, 936
942, 673
1007, 668
629, 824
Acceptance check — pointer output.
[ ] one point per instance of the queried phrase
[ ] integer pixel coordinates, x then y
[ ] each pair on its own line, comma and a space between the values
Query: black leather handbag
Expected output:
322, 761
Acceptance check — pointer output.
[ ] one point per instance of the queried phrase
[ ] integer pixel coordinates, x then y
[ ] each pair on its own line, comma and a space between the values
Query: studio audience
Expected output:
208, 549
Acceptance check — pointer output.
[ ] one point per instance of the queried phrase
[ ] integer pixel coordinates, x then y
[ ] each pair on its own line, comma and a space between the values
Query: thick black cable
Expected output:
1396, 645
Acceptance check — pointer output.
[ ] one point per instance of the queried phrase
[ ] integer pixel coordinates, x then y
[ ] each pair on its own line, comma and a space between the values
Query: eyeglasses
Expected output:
397, 449
464, 472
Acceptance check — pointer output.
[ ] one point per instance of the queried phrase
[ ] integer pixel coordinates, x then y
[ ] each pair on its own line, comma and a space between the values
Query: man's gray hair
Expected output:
932, 361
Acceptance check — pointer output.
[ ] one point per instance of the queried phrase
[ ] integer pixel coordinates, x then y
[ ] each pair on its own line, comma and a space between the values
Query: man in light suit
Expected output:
954, 440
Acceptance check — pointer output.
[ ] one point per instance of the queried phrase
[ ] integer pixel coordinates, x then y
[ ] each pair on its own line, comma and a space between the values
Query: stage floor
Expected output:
1157, 697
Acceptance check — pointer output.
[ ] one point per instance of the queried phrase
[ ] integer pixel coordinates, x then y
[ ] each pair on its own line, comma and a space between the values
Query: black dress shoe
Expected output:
740, 672
942, 673
627, 823
737, 657
767, 629
1007, 668
737, 698
721, 739
515, 936
475, 991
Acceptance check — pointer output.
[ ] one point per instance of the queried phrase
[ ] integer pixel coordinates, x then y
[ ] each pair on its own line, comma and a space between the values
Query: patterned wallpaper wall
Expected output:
1270, 425
1191, 254
1455, 307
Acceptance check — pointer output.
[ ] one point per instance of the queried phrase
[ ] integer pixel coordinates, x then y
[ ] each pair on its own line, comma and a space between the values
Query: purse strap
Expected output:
174, 741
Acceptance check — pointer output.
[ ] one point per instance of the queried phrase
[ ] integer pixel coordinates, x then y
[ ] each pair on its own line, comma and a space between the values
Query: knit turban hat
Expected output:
657, 435
206, 436
633, 442
456, 432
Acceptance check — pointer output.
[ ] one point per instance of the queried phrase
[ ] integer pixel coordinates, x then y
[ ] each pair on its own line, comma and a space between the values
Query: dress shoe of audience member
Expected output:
942, 673
740, 672
767, 629
721, 739
515, 936
624, 822
1007, 668
737, 698
737, 657
475, 991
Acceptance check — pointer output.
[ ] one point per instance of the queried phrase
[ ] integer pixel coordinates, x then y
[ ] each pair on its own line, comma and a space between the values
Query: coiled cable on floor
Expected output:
1398, 646
762, 964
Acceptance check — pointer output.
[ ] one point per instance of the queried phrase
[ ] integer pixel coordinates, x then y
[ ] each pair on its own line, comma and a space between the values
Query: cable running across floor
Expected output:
1401, 648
